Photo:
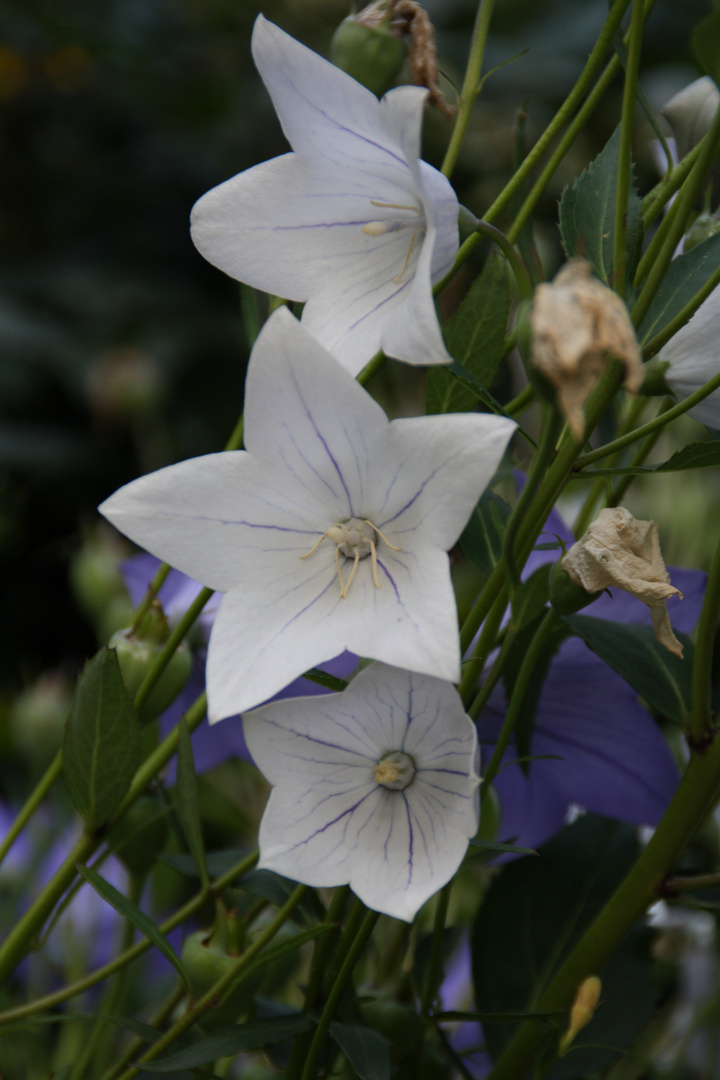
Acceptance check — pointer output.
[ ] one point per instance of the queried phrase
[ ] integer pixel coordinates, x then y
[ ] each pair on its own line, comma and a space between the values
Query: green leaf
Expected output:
493, 845
217, 862
186, 802
102, 743
554, 899
367, 1051
323, 678
144, 1031
501, 1017
684, 278
662, 678
481, 539
705, 44
475, 338
277, 890
699, 455
233, 1040
587, 215
137, 917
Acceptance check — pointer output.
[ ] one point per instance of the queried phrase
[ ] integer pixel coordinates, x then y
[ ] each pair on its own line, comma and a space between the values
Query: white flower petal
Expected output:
693, 357
334, 222
329, 823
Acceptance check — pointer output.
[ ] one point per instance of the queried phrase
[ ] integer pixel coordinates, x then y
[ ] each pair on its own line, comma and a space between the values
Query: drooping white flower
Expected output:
329, 532
375, 787
352, 221
693, 358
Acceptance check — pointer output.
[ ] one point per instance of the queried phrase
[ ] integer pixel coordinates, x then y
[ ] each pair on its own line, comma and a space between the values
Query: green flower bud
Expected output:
565, 596
36, 719
207, 956
140, 835
704, 226
94, 575
372, 54
136, 657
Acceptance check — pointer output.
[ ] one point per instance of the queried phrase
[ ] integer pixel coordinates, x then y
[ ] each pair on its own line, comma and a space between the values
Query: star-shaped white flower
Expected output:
375, 787
322, 461
693, 359
352, 221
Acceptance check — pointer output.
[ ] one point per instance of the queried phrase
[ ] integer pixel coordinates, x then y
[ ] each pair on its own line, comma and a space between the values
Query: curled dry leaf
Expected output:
618, 550
576, 322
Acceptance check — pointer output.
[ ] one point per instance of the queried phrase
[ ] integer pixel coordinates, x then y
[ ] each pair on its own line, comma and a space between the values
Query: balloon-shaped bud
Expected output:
137, 651
368, 47
207, 956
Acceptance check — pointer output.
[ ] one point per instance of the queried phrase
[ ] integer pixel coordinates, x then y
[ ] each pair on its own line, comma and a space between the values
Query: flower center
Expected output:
388, 225
395, 771
355, 538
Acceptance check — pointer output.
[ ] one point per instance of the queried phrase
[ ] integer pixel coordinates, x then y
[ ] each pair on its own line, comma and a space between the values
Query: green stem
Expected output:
680, 211
18, 941
652, 425
527, 670
618, 492
435, 964
513, 256
168, 650
701, 721
694, 797
343, 977
480, 700
627, 120
151, 592
216, 992
674, 885
157, 1020
521, 401
371, 368
471, 84
486, 642
42, 1004
31, 805
318, 971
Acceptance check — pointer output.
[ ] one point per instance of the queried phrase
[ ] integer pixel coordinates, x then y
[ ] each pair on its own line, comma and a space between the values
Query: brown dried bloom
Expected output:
618, 550
576, 321
408, 17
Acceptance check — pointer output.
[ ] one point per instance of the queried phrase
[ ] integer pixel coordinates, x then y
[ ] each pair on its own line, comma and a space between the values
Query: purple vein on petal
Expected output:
320, 436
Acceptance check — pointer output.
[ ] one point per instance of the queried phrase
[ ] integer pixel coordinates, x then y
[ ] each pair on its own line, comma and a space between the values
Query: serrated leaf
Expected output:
234, 1040
699, 455
684, 278
481, 539
663, 679
367, 1051
186, 803
555, 899
475, 338
587, 215
137, 917
102, 744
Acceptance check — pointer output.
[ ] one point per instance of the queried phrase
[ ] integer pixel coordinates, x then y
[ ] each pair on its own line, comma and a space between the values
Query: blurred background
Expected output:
121, 350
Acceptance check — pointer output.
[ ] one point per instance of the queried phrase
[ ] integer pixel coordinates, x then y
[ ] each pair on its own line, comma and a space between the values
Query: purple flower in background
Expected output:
352, 221
613, 759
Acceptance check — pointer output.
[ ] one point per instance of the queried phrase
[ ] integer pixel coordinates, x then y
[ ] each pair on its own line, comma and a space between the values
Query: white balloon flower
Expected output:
329, 532
693, 358
351, 222
375, 787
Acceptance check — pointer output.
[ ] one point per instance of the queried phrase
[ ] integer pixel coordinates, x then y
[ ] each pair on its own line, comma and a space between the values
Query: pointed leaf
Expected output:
475, 338
684, 278
324, 678
102, 743
234, 1040
699, 455
217, 862
186, 803
662, 678
481, 539
367, 1051
587, 215
493, 845
137, 917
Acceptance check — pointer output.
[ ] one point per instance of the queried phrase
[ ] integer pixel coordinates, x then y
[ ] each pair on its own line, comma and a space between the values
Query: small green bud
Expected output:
365, 46
207, 956
140, 835
654, 384
565, 596
136, 657
703, 227
36, 718
94, 575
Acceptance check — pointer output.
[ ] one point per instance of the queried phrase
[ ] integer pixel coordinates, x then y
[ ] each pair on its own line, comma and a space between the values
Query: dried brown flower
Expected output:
576, 321
618, 550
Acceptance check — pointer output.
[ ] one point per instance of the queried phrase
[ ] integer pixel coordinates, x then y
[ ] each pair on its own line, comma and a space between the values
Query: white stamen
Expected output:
355, 539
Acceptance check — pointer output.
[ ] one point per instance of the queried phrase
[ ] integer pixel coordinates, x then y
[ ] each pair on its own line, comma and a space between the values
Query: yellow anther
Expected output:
582, 1011
386, 772
407, 259
378, 228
